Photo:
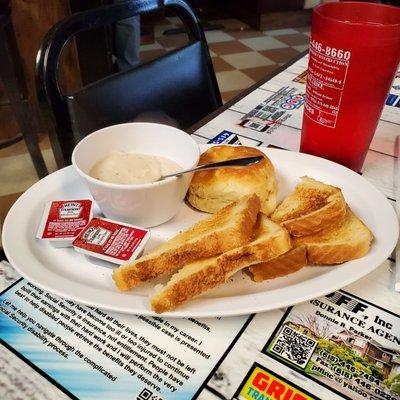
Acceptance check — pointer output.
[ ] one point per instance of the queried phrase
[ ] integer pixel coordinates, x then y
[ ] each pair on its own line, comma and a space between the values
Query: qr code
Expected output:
147, 394
294, 346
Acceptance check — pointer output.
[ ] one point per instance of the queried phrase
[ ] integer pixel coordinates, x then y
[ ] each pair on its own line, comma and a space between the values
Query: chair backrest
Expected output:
180, 84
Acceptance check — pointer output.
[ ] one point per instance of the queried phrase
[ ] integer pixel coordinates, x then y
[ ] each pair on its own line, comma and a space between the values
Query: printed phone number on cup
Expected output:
330, 51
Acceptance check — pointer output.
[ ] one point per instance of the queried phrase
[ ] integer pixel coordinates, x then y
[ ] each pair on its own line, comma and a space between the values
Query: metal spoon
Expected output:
237, 162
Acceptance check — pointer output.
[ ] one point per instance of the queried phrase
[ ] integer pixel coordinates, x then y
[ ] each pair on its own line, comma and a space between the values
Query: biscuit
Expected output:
212, 190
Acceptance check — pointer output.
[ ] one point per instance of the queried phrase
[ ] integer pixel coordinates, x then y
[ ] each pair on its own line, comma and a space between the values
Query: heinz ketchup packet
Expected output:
63, 220
112, 241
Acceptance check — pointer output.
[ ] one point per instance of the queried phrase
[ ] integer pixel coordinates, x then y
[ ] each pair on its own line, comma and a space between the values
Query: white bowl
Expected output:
148, 204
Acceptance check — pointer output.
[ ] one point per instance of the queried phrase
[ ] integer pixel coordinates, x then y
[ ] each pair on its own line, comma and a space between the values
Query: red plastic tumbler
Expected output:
354, 56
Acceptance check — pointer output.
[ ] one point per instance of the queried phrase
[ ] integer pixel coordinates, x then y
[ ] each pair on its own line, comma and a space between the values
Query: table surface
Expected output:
19, 381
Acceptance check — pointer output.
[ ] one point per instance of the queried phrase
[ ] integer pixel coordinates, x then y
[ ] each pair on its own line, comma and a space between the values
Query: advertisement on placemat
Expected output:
92, 354
391, 110
227, 137
343, 342
274, 110
339, 346
262, 383
301, 78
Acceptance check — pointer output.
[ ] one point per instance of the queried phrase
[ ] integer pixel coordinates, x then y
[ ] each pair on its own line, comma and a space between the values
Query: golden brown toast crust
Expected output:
186, 247
316, 208
186, 289
216, 270
316, 221
210, 190
336, 254
286, 264
338, 243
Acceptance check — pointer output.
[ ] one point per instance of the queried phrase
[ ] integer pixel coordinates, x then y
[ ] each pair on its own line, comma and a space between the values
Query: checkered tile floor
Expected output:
241, 56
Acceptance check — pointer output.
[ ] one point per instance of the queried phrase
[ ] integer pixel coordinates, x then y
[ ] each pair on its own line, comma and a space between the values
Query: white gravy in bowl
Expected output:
132, 168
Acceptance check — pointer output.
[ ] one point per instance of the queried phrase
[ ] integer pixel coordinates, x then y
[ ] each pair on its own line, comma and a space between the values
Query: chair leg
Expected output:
15, 88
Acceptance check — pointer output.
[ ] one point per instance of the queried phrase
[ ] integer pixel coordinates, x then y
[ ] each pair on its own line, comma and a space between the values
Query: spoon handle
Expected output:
237, 162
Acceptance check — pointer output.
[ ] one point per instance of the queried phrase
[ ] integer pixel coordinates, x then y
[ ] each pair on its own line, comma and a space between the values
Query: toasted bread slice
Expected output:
229, 228
338, 243
311, 207
270, 241
286, 264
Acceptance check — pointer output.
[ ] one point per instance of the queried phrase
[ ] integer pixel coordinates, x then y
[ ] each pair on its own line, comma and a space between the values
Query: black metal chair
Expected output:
180, 84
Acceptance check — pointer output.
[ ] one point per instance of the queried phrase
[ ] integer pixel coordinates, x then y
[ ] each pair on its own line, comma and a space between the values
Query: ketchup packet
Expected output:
63, 220
112, 241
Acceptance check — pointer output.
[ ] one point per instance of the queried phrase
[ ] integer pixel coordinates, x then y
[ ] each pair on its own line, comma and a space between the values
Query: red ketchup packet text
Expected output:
63, 220
111, 241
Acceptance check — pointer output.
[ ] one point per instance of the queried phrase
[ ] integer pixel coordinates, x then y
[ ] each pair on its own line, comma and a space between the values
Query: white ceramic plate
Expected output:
72, 275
